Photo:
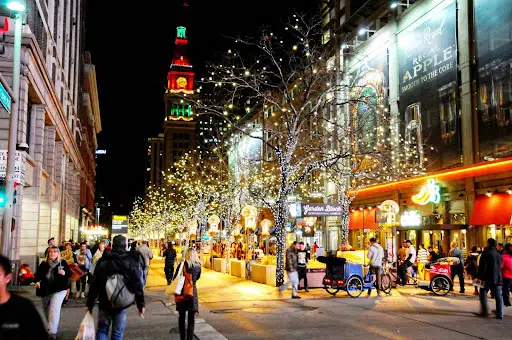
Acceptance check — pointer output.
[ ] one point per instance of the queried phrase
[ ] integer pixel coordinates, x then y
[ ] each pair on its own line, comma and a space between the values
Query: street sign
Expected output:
19, 165
5, 98
119, 224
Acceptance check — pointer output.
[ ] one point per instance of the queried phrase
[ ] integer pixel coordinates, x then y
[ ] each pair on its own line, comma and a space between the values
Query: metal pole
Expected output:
13, 138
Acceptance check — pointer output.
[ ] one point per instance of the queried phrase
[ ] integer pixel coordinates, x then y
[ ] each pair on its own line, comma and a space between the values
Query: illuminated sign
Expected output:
410, 219
429, 193
101, 152
119, 224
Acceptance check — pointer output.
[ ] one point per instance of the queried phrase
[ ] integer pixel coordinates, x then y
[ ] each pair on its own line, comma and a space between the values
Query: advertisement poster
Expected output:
368, 98
493, 35
428, 90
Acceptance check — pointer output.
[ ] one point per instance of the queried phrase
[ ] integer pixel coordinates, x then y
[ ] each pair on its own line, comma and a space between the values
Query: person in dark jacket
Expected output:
51, 280
139, 260
170, 257
19, 318
291, 269
191, 266
489, 273
118, 261
472, 266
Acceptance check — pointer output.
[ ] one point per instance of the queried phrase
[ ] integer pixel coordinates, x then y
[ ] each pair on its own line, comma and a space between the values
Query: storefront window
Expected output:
412, 235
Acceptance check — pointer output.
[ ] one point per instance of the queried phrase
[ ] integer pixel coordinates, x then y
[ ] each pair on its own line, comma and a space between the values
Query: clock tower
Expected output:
180, 125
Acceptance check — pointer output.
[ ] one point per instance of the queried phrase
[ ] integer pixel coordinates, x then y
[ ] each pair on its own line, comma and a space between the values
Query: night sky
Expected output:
132, 46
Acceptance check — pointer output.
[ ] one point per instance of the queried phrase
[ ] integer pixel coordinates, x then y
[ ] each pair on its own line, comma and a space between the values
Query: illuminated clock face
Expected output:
181, 82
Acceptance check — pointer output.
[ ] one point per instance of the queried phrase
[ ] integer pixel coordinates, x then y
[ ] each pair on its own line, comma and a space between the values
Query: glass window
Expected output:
326, 36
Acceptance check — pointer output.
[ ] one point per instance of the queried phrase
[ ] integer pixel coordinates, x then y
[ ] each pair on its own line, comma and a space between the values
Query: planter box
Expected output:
219, 265
263, 274
238, 268
315, 277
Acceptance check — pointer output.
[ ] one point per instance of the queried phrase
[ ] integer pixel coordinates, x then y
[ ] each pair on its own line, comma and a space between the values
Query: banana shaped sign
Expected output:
429, 193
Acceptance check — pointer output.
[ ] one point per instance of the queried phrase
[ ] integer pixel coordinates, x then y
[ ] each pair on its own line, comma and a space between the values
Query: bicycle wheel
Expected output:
385, 283
440, 286
354, 286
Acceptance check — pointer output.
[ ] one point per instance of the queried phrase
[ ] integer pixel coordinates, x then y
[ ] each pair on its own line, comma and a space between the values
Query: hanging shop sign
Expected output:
19, 166
410, 219
313, 209
430, 193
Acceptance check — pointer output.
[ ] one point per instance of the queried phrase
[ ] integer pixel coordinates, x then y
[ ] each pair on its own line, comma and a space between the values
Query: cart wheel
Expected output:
330, 290
385, 283
440, 285
354, 286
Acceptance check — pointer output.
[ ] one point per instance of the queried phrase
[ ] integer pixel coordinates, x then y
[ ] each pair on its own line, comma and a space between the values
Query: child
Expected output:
25, 276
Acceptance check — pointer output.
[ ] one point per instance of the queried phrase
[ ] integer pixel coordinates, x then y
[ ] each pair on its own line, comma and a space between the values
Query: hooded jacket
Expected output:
118, 261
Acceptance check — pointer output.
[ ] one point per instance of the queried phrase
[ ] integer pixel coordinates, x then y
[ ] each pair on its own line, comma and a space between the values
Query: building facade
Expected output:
51, 97
444, 66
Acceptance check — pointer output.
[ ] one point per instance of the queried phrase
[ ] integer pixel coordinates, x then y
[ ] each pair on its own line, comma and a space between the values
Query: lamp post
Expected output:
18, 7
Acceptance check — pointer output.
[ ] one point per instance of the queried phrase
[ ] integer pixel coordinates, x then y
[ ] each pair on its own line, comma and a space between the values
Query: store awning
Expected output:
363, 219
496, 209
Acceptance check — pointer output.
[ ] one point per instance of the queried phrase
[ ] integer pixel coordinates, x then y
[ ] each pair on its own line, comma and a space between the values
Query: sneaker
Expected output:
296, 297
77, 295
64, 302
462, 291
507, 305
82, 296
307, 290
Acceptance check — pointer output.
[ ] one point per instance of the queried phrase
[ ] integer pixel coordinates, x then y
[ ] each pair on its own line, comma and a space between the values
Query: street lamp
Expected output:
18, 7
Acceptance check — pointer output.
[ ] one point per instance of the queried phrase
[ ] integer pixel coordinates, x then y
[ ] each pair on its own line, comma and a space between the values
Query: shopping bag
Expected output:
86, 330
175, 284
76, 272
180, 280
188, 289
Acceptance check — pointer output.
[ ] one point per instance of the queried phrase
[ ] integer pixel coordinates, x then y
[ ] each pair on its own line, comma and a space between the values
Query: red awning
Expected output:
356, 219
496, 209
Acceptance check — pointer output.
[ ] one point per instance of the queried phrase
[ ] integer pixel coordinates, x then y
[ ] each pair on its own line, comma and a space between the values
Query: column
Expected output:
46, 186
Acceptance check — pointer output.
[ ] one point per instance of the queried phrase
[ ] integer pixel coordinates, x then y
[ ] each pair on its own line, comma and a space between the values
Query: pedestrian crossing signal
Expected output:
15, 192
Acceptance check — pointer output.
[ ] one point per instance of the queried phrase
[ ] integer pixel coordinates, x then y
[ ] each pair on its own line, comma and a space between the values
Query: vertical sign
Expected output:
119, 224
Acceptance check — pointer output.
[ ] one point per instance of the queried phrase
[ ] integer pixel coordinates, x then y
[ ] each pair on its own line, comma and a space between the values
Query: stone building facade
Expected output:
53, 96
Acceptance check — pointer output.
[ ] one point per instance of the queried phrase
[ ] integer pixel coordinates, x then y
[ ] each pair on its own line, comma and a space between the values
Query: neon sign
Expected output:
429, 193
410, 219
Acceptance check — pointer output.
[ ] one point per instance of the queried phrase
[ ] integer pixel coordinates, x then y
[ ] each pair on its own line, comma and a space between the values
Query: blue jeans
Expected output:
105, 319
498, 296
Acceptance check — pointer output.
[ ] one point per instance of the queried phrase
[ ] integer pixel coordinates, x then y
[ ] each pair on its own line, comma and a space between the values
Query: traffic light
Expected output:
4, 27
3, 194
15, 192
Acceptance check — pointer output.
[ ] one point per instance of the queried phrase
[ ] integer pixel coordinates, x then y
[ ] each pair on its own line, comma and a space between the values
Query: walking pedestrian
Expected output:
422, 261
375, 255
51, 282
291, 269
19, 318
102, 247
119, 264
51, 243
315, 247
70, 258
83, 256
500, 248
302, 265
489, 273
506, 271
191, 266
308, 252
140, 263
25, 277
170, 257
457, 269
472, 267
148, 256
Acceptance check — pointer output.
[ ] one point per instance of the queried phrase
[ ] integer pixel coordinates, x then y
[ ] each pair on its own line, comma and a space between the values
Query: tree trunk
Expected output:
281, 239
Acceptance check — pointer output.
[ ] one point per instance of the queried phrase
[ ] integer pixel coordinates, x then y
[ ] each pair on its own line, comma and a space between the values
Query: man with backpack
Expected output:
117, 285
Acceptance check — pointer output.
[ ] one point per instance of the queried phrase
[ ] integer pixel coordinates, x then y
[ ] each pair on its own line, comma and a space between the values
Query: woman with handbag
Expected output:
51, 285
188, 301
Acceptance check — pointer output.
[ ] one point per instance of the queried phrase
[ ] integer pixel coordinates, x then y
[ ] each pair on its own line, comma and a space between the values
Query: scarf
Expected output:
50, 274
